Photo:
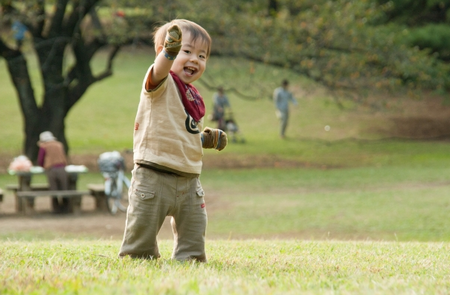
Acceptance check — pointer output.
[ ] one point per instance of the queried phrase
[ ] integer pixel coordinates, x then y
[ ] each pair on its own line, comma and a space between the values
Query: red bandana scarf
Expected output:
191, 98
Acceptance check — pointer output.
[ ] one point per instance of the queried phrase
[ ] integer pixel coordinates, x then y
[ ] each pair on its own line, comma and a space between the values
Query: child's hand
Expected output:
172, 44
214, 139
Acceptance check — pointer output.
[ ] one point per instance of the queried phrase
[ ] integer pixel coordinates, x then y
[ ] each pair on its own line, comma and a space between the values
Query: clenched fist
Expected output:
214, 139
172, 44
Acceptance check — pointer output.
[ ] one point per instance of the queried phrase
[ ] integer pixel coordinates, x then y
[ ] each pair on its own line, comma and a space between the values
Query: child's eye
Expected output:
202, 56
187, 51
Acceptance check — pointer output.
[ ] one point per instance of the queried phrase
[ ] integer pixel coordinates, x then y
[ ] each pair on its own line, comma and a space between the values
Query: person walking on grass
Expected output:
168, 144
282, 97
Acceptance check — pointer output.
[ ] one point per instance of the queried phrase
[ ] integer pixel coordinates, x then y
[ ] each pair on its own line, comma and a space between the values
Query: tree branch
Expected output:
82, 72
80, 10
229, 90
40, 17
18, 70
57, 19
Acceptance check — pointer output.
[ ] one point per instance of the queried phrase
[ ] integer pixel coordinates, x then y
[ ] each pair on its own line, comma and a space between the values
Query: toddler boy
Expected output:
168, 144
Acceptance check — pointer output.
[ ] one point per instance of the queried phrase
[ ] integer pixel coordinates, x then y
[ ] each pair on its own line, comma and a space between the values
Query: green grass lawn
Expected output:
324, 212
234, 267
378, 204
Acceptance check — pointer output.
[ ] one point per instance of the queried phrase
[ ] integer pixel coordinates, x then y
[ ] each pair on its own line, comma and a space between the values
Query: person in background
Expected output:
221, 102
53, 158
281, 98
19, 30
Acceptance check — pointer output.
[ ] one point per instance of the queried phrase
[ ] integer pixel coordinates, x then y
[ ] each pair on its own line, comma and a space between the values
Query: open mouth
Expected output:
190, 70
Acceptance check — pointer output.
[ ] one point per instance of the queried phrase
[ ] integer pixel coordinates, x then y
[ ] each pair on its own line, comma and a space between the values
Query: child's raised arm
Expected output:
166, 54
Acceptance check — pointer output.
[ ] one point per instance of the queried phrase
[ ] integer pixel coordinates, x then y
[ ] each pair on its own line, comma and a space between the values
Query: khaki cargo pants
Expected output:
154, 195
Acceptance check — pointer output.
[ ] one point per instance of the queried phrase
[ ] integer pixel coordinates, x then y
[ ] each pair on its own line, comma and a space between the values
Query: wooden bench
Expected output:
74, 195
34, 187
98, 192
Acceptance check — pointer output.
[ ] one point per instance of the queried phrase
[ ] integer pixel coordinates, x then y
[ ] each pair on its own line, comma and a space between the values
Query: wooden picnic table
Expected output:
25, 192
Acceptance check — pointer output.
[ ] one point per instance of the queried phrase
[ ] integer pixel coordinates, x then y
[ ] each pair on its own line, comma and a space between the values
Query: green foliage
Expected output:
416, 13
428, 22
335, 43
435, 37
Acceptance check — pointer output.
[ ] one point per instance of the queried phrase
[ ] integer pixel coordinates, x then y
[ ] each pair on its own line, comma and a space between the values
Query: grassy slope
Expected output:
406, 180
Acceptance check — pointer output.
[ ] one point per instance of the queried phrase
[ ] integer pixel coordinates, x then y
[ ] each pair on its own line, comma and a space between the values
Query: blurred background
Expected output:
371, 79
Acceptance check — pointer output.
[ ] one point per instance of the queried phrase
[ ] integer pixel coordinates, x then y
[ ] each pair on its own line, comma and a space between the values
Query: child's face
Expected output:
191, 60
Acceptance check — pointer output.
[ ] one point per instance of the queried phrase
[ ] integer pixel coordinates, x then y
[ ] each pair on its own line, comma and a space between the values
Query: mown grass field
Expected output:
235, 267
340, 212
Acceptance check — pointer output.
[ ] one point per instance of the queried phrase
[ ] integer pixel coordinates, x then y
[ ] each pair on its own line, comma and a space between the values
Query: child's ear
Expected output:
159, 49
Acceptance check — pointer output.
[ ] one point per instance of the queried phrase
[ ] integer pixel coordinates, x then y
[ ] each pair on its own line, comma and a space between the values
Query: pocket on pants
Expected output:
199, 189
200, 192
145, 185
143, 195
199, 199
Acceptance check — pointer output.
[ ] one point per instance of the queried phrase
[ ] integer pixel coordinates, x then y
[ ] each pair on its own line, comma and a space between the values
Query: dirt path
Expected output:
88, 223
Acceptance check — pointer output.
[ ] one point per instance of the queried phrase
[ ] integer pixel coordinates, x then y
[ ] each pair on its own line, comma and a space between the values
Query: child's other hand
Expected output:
172, 44
214, 139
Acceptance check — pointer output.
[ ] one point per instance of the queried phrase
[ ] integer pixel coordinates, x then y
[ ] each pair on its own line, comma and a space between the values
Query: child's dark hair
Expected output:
196, 31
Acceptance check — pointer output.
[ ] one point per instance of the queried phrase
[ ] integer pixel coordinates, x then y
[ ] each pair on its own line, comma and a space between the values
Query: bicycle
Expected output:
112, 166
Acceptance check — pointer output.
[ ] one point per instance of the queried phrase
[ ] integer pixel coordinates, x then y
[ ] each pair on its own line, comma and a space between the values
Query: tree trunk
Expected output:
51, 36
50, 116
17, 68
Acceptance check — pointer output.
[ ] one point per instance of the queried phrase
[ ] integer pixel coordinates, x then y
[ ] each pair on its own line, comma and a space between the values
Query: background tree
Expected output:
337, 44
346, 46
427, 21
57, 29
350, 47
